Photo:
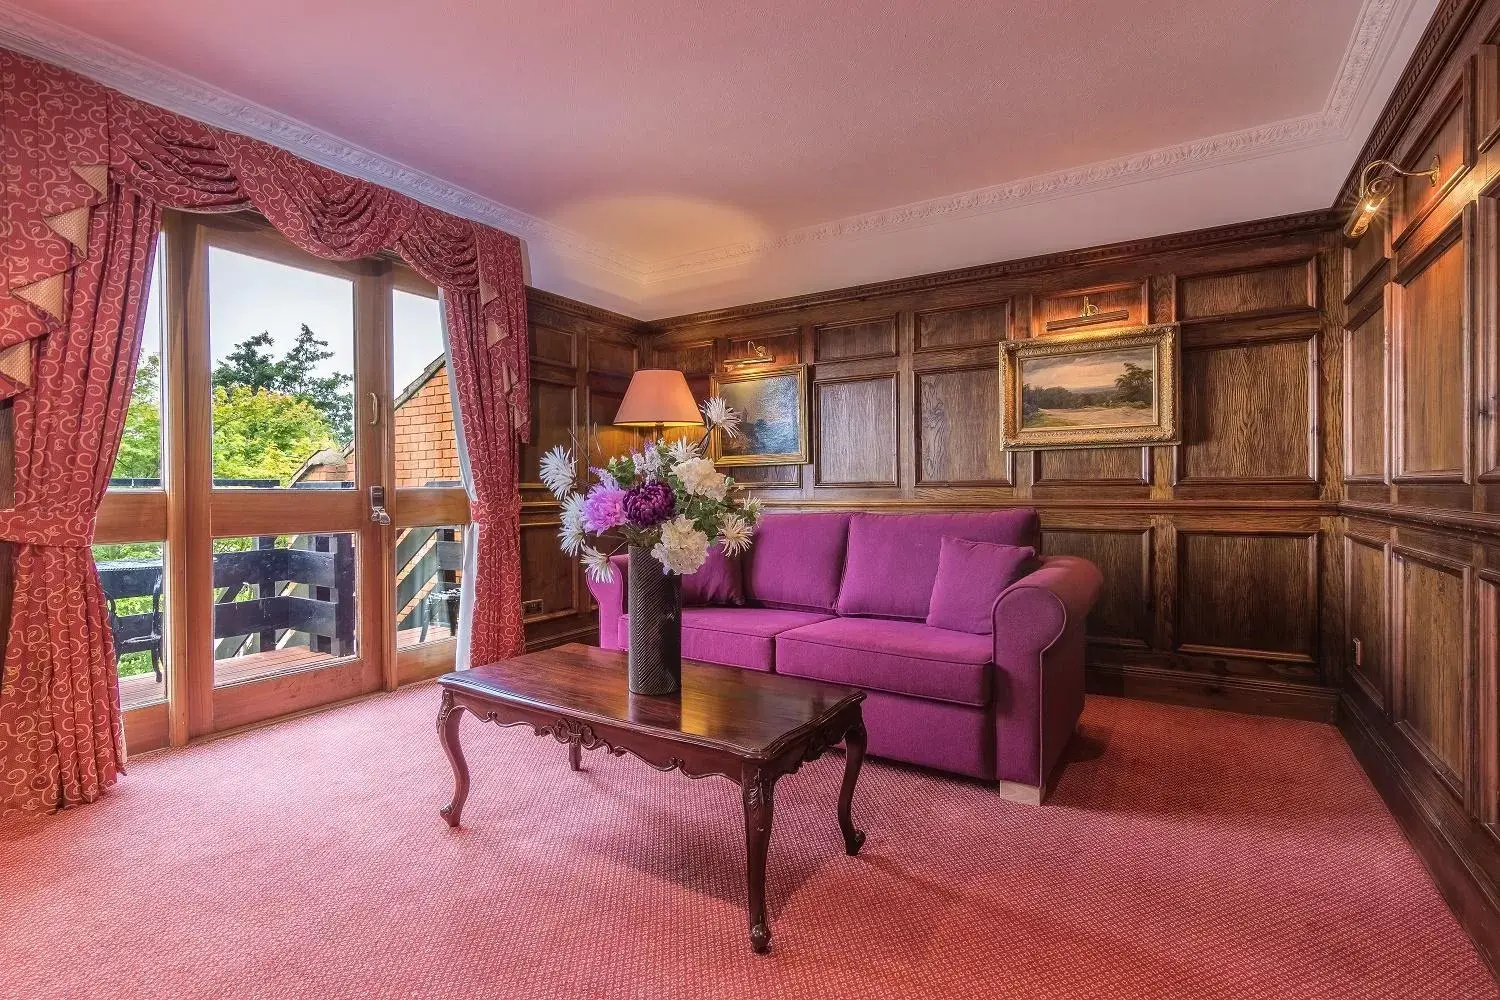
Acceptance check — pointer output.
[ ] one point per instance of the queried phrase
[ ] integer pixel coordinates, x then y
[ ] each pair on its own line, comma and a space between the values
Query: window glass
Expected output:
429, 569
426, 447
131, 575
283, 374
138, 463
282, 603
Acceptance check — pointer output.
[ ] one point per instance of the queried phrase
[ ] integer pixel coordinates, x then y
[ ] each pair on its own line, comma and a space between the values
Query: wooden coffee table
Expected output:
747, 726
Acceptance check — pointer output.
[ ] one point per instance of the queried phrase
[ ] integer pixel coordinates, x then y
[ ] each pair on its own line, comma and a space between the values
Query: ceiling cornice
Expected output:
147, 80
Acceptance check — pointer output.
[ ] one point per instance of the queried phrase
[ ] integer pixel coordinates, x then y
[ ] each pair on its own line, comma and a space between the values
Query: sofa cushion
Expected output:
909, 658
893, 558
796, 561
970, 577
734, 637
717, 582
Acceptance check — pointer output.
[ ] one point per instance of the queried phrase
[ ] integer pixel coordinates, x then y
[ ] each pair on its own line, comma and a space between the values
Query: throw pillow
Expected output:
718, 581
970, 577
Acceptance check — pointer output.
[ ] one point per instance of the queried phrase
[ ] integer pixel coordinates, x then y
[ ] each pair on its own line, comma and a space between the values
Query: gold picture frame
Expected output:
772, 404
1103, 389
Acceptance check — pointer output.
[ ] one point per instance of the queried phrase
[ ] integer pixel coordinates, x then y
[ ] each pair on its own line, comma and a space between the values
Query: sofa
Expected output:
844, 597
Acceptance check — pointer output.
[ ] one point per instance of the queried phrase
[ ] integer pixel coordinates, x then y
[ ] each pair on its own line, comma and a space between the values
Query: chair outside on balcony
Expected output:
442, 597
141, 632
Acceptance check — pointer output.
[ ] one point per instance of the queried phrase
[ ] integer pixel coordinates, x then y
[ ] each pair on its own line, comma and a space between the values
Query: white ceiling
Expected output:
660, 157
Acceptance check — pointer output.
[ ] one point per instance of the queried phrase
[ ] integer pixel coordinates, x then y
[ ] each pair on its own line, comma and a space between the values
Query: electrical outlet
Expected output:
1359, 653
532, 607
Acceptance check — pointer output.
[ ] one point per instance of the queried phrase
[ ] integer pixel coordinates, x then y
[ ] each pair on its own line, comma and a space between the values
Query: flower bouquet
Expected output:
668, 505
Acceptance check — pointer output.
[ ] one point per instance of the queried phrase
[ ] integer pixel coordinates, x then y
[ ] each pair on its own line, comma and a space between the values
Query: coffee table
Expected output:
747, 726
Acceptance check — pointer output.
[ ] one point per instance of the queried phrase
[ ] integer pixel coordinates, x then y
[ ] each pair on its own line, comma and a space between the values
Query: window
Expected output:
429, 570
426, 447
138, 463
282, 339
131, 575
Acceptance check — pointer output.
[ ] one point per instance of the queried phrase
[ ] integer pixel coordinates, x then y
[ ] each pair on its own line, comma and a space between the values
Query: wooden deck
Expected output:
144, 689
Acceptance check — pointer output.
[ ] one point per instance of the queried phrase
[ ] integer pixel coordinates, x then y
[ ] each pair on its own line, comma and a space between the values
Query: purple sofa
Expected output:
842, 597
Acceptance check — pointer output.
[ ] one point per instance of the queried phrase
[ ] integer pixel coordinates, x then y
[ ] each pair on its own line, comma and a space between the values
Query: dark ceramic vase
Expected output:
655, 604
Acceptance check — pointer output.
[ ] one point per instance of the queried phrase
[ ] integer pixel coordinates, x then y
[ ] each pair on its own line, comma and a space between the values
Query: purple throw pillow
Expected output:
719, 581
970, 577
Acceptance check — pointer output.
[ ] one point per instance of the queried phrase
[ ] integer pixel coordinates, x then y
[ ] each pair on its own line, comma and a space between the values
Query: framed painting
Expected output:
1090, 390
772, 404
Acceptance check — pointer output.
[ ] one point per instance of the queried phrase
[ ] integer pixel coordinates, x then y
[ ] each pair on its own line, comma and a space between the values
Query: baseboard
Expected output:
1250, 695
1463, 859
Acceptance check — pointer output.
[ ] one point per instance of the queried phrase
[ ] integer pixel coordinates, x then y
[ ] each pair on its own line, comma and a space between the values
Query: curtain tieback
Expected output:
33, 527
501, 513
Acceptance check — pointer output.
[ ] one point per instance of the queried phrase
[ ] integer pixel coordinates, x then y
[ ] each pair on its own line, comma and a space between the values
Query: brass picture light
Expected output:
1375, 187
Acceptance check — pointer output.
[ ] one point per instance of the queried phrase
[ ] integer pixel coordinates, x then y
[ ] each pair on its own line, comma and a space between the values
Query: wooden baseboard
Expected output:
1250, 695
1462, 857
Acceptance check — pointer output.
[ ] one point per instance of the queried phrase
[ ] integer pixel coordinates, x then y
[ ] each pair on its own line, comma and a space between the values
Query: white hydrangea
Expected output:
682, 548
734, 534
700, 478
558, 471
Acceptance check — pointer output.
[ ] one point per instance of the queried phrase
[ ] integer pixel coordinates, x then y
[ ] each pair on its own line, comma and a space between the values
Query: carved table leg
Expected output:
575, 754
854, 757
447, 726
756, 789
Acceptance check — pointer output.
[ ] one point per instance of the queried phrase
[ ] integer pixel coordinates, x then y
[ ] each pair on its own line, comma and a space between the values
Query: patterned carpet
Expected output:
1186, 854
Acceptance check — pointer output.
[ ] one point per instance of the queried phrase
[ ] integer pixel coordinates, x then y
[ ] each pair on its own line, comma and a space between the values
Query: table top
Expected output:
746, 712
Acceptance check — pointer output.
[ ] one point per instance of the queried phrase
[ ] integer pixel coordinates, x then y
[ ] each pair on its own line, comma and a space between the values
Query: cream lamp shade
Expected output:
658, 397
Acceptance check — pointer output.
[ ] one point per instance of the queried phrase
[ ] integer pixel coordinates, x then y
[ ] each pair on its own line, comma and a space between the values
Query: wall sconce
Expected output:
1373, 192
758, 356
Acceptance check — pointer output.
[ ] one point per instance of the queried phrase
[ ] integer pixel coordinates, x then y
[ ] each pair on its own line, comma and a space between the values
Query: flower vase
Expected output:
654, 601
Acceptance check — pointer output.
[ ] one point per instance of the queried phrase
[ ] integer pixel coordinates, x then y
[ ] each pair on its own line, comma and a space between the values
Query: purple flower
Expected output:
603, 509
649, 504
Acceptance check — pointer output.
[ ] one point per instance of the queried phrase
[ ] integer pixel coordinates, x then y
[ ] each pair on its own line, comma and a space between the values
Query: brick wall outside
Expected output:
426, 449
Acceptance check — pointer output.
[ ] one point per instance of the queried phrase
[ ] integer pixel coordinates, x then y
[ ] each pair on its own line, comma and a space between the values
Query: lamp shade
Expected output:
658, 397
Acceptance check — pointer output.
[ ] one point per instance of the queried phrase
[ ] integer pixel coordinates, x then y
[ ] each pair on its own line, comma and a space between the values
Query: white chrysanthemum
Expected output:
682, 450
597, 565
558, 471
682, 548
571, 535
717, 413
700, 478
734, 534
752, 510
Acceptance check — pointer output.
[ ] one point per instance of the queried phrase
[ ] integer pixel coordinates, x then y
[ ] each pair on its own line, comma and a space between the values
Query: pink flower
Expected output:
604, 509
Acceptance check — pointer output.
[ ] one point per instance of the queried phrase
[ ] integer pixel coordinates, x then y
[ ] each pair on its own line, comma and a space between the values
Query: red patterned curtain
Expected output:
87, 172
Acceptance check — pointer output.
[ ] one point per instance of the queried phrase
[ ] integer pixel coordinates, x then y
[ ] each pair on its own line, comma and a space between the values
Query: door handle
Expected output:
374, 410
377, 506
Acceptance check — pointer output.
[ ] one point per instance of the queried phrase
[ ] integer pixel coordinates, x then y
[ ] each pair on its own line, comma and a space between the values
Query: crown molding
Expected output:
150, 81
146, 80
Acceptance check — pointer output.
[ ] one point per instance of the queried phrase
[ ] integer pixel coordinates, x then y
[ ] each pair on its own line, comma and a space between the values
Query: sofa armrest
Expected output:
1034, 612
610, 596
1039, 682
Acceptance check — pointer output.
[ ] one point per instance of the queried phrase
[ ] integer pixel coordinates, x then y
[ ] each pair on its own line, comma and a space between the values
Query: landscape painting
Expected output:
773, 417
1108, 389
1091, 390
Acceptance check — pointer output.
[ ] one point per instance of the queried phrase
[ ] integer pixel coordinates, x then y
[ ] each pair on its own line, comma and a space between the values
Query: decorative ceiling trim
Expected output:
142, 78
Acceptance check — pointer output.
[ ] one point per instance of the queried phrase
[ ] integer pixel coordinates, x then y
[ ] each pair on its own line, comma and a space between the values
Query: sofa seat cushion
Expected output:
909, 658
734, 637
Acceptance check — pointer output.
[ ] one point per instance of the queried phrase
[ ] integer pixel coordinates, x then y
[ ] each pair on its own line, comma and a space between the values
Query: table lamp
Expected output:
658, 398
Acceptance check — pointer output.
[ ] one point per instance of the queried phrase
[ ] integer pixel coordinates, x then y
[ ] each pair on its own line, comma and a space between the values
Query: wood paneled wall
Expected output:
581, 362
1419, 535
1217, 571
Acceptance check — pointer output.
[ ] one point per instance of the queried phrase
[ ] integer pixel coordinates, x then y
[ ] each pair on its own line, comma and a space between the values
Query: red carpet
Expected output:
1188, 854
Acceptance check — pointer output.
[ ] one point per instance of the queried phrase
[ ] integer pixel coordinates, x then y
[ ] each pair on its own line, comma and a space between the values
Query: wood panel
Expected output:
1366, 605
691, 359
1123, 615
613, 356
1274, 288
958, 438
1432, 676
845, 341
552, 408
1431, 371
548, 577
557, 346
1447, 140
1096, 466
856, 427
969, 326
1364, 399
1248, 413
1248, 595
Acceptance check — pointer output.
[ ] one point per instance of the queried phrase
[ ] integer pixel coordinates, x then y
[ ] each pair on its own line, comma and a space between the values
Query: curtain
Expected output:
464, 639
87, 171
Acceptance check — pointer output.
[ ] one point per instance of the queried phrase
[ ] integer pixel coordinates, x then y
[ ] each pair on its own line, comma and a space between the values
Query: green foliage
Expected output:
261, 434
251, 366
1134, 386
140, 446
